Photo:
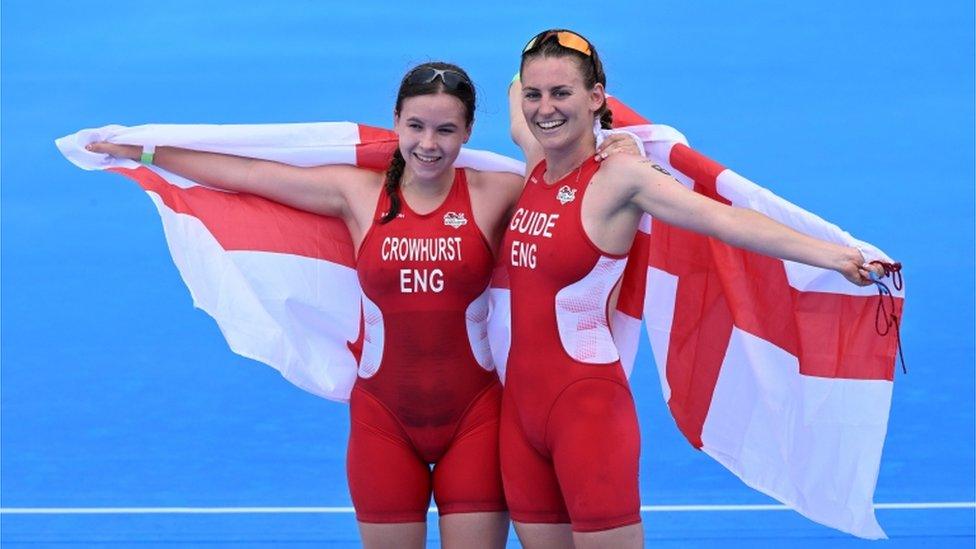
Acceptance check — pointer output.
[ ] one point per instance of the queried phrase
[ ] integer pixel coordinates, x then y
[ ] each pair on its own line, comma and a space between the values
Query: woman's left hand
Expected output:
856, 270
617, 143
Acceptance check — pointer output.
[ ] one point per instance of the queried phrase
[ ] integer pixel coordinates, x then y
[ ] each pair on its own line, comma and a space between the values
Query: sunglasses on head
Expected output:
453, 80
566, 39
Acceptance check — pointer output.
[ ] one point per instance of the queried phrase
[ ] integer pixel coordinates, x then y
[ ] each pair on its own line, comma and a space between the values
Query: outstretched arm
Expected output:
320, 189
653, 190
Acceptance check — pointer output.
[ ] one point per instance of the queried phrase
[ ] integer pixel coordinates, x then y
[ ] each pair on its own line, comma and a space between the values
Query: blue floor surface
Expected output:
116, 393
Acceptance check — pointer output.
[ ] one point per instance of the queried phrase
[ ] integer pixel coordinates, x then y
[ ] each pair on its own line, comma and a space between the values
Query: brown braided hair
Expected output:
590, 67
465, 94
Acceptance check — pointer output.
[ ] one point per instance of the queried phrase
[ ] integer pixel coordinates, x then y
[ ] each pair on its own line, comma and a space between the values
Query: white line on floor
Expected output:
347, 510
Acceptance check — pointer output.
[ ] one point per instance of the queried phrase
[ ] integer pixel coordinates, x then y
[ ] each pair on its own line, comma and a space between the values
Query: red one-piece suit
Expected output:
570, 445
427, 393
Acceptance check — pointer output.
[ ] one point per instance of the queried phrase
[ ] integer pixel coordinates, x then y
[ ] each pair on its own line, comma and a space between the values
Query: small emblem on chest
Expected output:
454, 219
565, 195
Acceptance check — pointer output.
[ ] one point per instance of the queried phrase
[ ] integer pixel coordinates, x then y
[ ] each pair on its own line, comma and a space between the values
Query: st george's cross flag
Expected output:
773, 368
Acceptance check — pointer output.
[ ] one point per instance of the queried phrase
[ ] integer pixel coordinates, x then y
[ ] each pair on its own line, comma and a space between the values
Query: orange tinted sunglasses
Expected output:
566, 39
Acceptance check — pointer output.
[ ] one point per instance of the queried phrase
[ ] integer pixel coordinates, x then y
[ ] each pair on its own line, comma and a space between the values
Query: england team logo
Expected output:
565, 195
454, 219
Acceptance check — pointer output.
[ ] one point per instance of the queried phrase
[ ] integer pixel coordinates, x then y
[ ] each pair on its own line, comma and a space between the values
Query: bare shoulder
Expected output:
623, 164
629, 171
621, 170
493, 197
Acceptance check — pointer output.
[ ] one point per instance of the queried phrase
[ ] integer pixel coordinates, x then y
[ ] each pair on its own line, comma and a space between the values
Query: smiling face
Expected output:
557, 105
431, 129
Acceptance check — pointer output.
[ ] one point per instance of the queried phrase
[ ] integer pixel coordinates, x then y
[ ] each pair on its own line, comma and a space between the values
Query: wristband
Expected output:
516, 78
148, 151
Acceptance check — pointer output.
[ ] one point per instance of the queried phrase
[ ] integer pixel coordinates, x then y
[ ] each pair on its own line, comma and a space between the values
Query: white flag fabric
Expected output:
774, 369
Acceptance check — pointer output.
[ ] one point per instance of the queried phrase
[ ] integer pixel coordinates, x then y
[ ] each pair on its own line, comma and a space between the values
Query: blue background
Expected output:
116, 392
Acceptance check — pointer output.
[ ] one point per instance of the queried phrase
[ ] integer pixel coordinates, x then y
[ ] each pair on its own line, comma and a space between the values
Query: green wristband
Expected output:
148, 151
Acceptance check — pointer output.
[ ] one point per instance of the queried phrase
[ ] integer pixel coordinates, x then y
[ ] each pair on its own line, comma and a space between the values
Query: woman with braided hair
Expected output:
425, 232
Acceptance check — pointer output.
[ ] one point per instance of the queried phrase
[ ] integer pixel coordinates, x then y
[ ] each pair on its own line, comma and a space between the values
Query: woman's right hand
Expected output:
132, 152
